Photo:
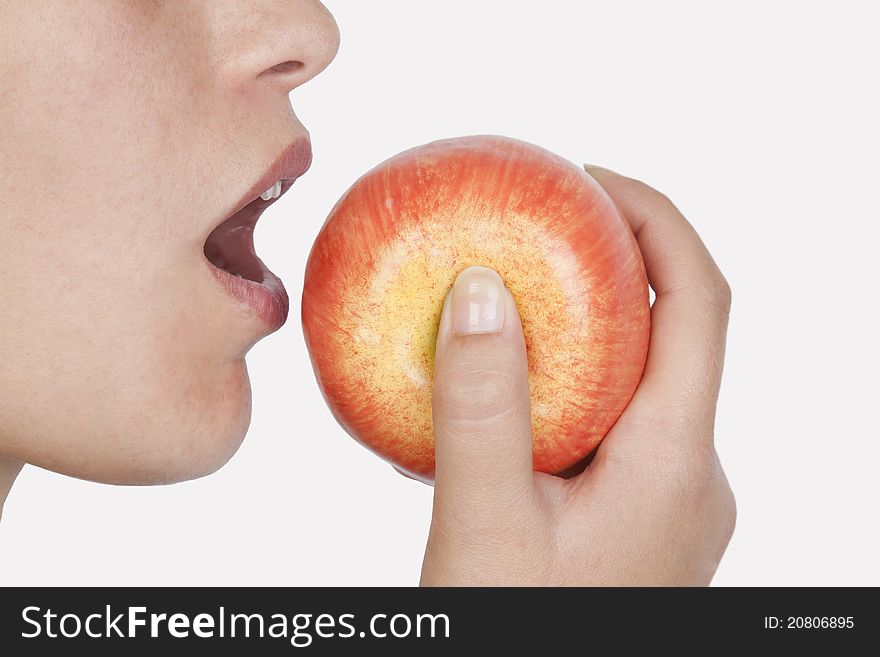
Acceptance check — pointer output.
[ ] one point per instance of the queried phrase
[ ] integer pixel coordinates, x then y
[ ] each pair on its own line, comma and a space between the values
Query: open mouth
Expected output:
230, 246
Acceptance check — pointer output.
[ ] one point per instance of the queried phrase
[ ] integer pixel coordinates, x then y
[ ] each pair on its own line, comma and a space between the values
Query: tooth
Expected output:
273, 192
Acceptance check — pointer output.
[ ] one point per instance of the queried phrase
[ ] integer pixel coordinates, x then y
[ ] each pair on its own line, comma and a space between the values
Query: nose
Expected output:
280, 43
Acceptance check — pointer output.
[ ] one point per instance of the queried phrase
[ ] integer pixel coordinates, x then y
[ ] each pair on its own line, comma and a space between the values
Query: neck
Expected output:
9, 470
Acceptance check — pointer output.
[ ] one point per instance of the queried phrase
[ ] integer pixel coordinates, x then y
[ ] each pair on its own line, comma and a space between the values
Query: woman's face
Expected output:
129, 131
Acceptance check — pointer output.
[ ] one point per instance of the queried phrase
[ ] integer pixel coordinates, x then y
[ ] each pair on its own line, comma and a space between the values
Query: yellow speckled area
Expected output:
392, 248
394, 317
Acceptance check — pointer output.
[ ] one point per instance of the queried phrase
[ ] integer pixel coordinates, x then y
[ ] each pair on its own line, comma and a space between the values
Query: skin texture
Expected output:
390, 250
129, 129
653, 507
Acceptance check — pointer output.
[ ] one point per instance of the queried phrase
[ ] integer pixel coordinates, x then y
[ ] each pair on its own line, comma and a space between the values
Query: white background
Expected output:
758, 120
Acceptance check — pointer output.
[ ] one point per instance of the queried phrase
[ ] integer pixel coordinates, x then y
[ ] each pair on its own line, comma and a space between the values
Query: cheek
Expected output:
119, 361
117, 118
121, 375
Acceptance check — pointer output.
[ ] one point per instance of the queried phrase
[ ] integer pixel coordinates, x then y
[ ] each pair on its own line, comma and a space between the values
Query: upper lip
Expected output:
291, 163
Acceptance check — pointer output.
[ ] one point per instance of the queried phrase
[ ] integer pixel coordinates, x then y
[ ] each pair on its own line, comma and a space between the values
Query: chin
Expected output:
197, 456
178, 437
205, 437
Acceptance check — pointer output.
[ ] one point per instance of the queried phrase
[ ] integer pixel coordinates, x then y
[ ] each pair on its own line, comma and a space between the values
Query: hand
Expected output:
653, 507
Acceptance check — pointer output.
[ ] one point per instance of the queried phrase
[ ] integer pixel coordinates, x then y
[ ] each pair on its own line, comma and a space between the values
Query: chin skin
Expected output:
192, 434
208, 431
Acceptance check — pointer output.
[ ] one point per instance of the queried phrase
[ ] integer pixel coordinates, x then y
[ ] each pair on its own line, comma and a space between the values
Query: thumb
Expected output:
482, 414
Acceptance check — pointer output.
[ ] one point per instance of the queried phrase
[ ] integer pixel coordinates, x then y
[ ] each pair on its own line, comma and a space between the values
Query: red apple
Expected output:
390, 250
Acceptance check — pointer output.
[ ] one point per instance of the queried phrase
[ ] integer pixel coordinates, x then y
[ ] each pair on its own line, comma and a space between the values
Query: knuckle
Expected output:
729, 512
694, 481
685, 474
723, 295
714, 295
662, 199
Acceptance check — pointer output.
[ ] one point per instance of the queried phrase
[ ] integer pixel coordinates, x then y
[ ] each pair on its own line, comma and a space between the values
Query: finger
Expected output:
482, 415
689, 316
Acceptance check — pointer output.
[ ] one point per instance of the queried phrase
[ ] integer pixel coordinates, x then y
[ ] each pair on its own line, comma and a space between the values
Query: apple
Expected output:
393, 245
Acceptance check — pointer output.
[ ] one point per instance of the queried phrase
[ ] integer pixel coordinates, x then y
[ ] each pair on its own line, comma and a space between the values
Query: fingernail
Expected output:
477, 302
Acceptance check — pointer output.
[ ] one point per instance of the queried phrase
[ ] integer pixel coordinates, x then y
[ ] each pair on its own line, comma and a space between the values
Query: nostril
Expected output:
290, 66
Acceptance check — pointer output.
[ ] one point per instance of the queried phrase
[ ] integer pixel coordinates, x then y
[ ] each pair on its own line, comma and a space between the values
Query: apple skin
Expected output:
393, 245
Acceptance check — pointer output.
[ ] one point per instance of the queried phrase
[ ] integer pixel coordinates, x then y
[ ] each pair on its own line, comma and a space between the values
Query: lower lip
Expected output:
267, 300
